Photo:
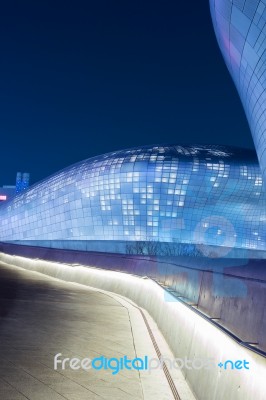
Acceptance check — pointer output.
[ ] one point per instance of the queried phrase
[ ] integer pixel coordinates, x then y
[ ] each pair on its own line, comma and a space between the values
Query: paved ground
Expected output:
40, 317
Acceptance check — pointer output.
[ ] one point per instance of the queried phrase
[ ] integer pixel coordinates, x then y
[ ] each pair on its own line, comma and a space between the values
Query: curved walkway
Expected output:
42, 316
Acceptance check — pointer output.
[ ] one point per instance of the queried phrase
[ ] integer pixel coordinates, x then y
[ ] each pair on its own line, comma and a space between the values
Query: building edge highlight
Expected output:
240, 28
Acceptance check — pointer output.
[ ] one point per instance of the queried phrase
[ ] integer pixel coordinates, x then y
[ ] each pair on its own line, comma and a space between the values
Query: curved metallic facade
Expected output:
240, 27
198, 194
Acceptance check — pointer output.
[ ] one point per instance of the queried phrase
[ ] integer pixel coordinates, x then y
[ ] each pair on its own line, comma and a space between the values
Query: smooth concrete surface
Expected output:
41, 316
188, 334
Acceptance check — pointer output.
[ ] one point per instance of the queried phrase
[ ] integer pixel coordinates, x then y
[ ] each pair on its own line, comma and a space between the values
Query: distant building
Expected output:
22, 181
7, 192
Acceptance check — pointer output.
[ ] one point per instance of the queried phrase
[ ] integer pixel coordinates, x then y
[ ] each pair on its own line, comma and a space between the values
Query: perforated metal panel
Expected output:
240, 28
178, 194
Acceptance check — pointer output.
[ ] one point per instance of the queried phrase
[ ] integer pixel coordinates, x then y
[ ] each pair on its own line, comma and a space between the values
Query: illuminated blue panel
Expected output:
240, 27
177, 194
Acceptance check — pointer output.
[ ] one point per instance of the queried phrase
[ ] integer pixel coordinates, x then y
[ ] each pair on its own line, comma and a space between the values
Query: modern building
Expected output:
22, 181
198, 201
201, 201
201, 196
7, 192
240, 27
204, 197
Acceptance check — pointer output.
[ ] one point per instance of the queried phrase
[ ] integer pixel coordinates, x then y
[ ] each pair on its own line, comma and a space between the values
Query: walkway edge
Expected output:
187, 334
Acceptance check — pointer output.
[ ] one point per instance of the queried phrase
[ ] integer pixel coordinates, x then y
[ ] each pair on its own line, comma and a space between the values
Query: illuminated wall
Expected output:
196, 194
240, 27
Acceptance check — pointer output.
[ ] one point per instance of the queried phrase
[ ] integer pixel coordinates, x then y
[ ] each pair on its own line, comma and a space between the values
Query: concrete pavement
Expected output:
41, 316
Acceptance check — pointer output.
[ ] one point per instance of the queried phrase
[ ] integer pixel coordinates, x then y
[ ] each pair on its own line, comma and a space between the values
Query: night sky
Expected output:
81, 78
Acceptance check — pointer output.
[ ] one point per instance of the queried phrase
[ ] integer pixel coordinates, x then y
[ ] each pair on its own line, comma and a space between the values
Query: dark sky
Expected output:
81, 78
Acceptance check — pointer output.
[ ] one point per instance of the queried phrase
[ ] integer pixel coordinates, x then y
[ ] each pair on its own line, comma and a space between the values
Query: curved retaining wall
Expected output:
232, 290
188, 334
